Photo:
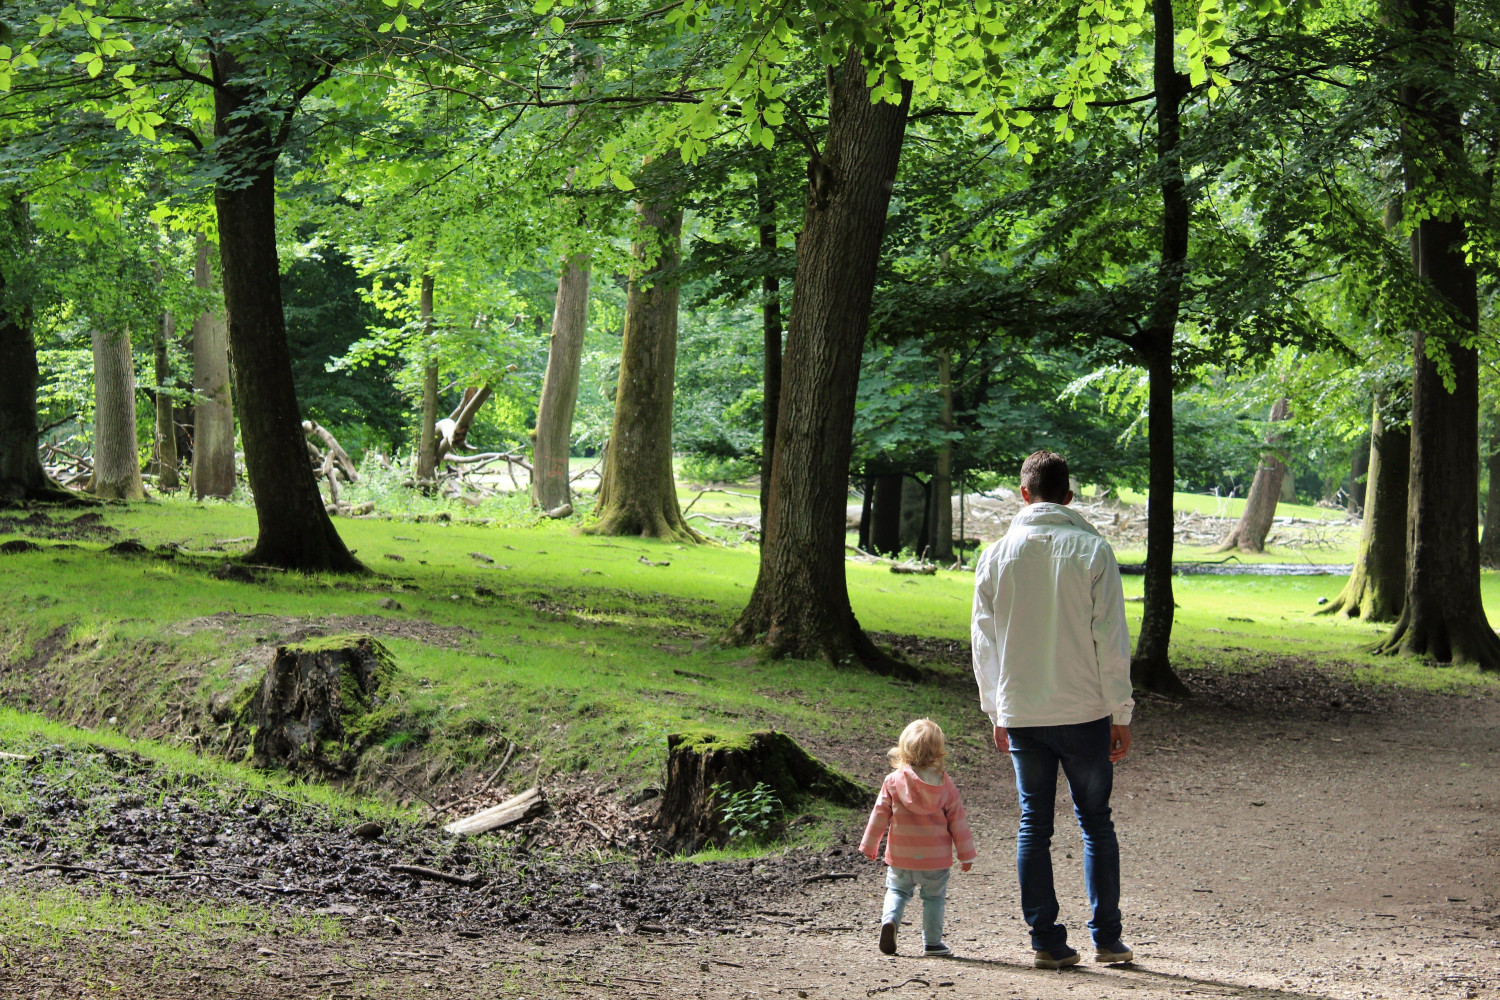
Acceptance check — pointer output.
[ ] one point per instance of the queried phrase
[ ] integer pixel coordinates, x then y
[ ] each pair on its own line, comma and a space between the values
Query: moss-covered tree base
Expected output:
1364, 597
321, 703
692, 807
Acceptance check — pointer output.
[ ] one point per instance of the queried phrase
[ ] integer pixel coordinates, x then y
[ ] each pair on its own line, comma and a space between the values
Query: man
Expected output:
1052, 658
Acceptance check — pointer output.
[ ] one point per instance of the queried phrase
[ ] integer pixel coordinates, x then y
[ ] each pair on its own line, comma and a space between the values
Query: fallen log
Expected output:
508, 813
345, 463
914, 569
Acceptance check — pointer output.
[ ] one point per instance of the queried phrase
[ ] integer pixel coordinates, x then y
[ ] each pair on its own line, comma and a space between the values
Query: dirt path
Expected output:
1328, 847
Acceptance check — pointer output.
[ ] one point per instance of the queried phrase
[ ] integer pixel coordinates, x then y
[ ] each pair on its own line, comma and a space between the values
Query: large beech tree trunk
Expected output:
1443, 616
554, 412
800, 605
295, 530
770, 315
427, 433
1377, 583
1249, 533
117, 461
1151, 666
940, 490
166, 427
212, 473
637, 492
21, 473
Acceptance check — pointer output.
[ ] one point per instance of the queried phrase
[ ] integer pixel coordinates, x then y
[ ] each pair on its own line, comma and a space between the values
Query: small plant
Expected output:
749, 813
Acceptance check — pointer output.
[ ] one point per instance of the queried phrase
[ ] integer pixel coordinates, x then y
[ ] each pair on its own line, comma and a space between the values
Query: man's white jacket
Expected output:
1051, 646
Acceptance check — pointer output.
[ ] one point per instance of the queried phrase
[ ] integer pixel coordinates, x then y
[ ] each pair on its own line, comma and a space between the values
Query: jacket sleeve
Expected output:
958, 829
1112, 637
880, 819
985, 639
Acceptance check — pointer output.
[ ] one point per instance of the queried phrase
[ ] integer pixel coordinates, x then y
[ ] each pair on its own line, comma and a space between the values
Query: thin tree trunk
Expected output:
1151, 666
1249, 533
940, 542
637, 491
550, 487
1489, 543
1377, 583
166, 427
800, 605
913, 518
117, 460
427, 433
212, 473
1443, 615
770, 312
1359, 468
885, 515
295, 531
21, 473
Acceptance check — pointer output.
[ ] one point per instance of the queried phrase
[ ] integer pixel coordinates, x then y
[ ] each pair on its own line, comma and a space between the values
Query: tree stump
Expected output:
691, 813
321, 703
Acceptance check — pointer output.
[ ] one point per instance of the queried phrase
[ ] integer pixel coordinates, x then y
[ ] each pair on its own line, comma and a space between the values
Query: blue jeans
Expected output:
900, 883
1083, 751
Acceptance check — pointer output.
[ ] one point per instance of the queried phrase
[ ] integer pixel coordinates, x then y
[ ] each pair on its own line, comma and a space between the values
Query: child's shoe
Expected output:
1058, 958
939, 950
888, 939
1115, 954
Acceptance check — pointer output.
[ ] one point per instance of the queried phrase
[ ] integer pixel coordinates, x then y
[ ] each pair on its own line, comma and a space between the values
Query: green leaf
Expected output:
400, 22
621, 181
385, 26
557, 25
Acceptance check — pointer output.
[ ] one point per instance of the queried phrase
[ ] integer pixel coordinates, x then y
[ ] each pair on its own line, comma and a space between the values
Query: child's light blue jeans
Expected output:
900, 883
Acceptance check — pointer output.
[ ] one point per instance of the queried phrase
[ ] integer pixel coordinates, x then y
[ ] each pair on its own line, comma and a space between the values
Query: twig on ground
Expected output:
828, 877
467, 881
897, 986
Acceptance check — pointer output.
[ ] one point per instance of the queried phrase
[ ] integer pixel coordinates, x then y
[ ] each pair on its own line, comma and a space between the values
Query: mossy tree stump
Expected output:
691, 813
321, 702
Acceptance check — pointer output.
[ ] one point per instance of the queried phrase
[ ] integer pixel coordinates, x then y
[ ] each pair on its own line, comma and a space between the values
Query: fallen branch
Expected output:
897, 986
467, 881
828, 877
511, 811
346, 465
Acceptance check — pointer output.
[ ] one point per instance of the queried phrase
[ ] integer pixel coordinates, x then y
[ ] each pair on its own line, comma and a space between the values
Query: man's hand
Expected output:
1002, 739
1119, 743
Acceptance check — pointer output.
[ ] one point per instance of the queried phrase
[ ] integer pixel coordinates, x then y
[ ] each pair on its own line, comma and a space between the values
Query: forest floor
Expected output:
1314, 823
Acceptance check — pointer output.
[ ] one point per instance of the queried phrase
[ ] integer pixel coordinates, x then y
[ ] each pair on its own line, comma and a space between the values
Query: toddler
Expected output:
920, 805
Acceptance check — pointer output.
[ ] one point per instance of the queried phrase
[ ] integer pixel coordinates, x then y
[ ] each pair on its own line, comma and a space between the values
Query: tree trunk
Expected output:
637, 491
800, 605
554, 412
21, 473
212, 474
940, 519
1378, 581
117, 460
885, 516
166, 428
1443, 615
1359, 468
1489, 544
1249, 534
770, 313
866, 513
427, 433
913, 514
295, 530
1151, 666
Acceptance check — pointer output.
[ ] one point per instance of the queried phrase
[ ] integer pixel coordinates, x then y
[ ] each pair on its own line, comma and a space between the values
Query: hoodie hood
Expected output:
915, 794
1043, 512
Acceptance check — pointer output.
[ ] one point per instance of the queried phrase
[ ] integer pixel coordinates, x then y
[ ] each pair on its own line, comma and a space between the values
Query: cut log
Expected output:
508, 813
918, 569
691, 813
322, 702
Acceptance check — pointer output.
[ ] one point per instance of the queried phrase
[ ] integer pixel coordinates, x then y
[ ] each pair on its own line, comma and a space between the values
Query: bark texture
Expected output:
165, 442
554, 412
885, 515
1489, 543
1151, 666
1249, 533
1377, 584
117, 461
940, 517
1443, 616
212, 473
637, 491
800, 605
770, 317
427, 432
295, 530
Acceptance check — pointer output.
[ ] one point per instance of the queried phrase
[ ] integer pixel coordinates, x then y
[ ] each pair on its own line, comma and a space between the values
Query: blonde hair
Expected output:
921, 745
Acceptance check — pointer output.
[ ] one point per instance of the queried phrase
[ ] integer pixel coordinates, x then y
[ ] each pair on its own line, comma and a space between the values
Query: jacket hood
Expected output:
1051, 513
915, 794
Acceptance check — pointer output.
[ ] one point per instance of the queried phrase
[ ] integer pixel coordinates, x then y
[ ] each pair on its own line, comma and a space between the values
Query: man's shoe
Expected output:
888, 939
939, 950
1058, 958
1116, 954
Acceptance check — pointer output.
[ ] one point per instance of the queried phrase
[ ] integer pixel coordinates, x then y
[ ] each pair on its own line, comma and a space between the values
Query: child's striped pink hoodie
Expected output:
926, 820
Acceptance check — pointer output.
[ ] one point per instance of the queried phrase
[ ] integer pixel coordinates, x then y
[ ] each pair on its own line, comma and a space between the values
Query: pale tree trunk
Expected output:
165, 465
637, 492
1249, 534
427, 433
1378, 580
554, 411
212, 474
940, 548
117, 462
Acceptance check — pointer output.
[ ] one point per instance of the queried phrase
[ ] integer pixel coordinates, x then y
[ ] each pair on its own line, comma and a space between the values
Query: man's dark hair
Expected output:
1044, 475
